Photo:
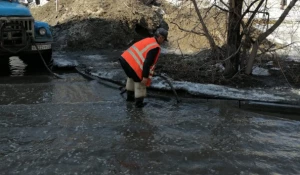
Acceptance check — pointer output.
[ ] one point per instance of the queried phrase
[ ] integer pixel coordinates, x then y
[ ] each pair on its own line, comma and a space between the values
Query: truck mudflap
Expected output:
13, 38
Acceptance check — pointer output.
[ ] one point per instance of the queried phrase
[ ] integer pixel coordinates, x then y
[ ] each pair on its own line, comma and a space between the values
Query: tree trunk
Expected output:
251, 58
233, 37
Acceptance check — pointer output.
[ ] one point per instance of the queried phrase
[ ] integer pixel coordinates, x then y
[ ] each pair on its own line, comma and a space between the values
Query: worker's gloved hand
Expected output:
144, 81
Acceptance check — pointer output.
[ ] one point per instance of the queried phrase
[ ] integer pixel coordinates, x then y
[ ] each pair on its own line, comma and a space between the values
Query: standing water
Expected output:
15, 67
74, 126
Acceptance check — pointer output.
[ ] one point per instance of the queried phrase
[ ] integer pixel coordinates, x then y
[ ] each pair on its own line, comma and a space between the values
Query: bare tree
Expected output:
239, 28
264, 35
205, 29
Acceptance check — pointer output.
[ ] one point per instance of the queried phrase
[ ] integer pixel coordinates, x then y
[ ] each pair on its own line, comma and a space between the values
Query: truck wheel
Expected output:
4, 66
36, 60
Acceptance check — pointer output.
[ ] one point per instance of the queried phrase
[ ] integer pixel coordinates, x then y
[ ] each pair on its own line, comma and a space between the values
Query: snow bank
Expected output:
60, 60
218, 91
260, 71
277, 94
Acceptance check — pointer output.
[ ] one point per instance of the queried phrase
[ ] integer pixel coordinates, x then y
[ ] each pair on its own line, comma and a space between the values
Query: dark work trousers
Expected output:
128, 70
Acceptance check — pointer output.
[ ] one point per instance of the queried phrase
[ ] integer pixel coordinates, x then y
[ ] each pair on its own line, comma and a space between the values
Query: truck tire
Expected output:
36, 60
4, 66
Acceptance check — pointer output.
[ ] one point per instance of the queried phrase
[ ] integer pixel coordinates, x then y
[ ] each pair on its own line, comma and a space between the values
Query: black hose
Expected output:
123, 90
91, 77
170, 84
45, 64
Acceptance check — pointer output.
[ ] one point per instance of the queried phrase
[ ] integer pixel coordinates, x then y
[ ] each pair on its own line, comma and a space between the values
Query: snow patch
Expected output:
270, 63
175, 51
33, 4
296, 91
60, 62
275, 68
105, 74
200, 3
175, 2
260, 71
94, 57
218, 91
294, 58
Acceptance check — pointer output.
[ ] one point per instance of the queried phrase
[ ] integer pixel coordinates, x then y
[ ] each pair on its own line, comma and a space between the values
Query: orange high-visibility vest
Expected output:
137, 53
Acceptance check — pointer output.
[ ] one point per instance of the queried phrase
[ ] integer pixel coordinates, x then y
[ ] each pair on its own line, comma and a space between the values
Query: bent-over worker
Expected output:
139, 62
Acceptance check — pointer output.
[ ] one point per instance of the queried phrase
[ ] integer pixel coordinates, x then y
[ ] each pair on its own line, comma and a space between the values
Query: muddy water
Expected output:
72, 126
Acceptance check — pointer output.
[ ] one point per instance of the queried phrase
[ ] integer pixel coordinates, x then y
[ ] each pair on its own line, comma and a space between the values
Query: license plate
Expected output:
42, 47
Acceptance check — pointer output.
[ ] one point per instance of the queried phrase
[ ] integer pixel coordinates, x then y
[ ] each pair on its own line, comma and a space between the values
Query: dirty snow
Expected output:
260, 71
175, 51
267, 95
94, 57
276, 94
219, 91
64, 63
33, 4
61, 60
201, 3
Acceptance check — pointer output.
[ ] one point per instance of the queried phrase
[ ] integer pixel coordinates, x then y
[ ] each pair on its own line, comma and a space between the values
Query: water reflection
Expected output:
14, 67
138, 132
17, 66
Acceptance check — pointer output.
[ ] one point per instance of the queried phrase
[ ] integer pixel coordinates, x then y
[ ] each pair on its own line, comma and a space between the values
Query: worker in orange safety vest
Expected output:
138, 62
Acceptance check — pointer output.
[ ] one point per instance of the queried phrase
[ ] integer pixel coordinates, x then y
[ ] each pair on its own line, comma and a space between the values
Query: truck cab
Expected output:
22, 36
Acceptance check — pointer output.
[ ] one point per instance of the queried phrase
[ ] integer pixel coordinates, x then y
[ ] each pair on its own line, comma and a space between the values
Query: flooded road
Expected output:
75, 126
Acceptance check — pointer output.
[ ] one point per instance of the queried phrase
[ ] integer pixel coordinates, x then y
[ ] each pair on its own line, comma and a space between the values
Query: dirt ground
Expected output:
115, 24
100, 24
97, 24
193, 69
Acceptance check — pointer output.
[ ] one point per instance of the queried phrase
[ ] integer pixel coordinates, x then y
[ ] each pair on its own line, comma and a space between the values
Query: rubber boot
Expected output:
130, 96
139, 102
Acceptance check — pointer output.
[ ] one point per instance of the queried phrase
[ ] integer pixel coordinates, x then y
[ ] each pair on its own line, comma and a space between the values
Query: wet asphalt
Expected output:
75, 126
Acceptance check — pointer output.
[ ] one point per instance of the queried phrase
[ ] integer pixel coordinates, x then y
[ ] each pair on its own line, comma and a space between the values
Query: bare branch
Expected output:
264, 35
188, 31
224, 4
254, 13
248, 8
205, 29
273, 50
225, 10
237, 51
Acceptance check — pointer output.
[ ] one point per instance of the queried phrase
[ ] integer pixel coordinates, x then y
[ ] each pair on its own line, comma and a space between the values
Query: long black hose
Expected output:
44, 62
171, 85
